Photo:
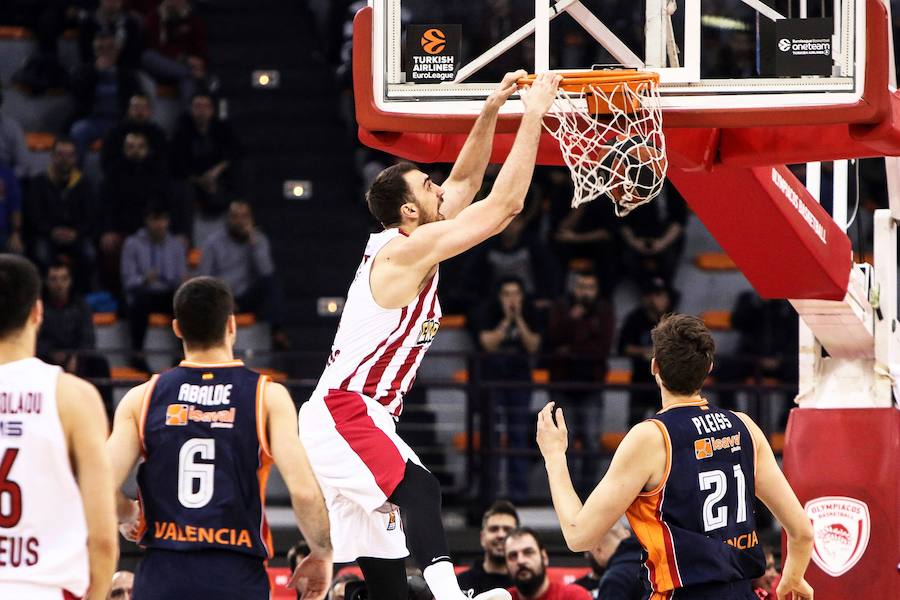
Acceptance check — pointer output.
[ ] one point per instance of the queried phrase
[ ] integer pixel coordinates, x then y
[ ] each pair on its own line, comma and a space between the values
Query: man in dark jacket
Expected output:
59, 213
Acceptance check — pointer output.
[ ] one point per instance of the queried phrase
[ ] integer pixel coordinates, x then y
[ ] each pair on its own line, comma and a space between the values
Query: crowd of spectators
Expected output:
122, 226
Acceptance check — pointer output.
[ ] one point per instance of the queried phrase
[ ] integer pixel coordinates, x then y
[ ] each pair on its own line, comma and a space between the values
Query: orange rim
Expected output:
576, 81
609, 82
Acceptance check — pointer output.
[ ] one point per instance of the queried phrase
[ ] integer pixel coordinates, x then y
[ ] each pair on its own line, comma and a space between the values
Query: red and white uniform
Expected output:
348, 426
43, 533
377, 351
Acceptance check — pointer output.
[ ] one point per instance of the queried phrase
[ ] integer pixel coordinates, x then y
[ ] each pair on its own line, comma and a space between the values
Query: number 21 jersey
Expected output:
206, 460
699, 526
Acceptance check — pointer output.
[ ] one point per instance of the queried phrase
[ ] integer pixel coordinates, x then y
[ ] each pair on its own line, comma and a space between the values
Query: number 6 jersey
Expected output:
206, 460
698, 526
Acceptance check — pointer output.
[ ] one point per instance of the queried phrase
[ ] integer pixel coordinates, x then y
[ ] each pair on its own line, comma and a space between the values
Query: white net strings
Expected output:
593, 148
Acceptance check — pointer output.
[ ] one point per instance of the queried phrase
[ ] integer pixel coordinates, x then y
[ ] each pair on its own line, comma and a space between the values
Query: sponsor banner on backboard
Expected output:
432, 53
803, 47
841, 527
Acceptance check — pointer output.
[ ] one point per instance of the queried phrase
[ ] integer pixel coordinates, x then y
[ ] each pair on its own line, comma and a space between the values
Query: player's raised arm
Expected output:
83, 421
468, 171
774, 490
632, 466
313, 574
440, 240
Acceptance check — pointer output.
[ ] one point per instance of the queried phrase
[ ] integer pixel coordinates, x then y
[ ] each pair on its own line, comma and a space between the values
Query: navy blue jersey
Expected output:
203, 478
698, 526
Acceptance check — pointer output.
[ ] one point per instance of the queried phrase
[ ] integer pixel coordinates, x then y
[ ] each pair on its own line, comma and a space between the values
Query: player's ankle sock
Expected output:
441, 580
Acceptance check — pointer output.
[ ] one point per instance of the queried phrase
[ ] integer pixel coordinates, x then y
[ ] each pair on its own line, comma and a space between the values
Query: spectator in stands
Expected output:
526, 559
240, 255
132, 184
138, 119
635, 343
509, 336
67, 335
13, 149
205, 152
513, 254
764, 586
59, 214
615, 567
111, 18
491, 571
590, 233
653, 236
154, 264
122, 586
176, 47
579, 335
10, 212
101, 90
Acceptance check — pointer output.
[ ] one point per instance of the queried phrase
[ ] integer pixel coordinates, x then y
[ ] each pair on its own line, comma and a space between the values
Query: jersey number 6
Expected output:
196, 479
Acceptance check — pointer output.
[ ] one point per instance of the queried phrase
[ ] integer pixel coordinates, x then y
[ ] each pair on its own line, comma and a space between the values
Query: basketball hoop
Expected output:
609, 128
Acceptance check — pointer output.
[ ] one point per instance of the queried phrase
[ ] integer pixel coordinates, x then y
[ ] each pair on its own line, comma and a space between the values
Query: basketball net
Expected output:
612, 140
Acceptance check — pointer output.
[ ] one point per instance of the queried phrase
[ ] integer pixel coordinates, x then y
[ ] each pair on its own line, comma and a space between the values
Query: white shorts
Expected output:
359, 460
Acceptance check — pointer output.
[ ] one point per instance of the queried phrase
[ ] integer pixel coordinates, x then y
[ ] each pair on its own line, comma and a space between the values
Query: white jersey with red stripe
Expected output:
44, 541
377, 351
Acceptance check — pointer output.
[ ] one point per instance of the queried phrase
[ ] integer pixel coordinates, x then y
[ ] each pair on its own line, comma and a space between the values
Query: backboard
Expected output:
722, 63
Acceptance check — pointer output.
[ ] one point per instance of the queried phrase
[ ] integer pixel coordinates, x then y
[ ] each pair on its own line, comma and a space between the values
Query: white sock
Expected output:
441, 580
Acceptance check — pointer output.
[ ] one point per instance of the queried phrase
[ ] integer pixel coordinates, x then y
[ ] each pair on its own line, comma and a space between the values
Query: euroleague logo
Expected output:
433, 41
784, 44
841, 529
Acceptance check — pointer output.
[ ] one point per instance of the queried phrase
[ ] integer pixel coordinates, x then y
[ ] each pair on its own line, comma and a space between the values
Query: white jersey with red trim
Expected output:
44, 541
377, 351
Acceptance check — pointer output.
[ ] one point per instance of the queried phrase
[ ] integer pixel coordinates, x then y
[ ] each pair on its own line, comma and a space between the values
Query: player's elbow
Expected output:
306, 497
802, 533
576, 541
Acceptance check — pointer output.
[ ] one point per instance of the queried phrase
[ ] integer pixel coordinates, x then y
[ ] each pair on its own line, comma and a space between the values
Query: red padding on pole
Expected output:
852, 453
764, 218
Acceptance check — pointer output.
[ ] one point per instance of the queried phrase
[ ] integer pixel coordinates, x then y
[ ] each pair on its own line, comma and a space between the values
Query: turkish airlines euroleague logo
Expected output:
432, 52
841, 529
434, 41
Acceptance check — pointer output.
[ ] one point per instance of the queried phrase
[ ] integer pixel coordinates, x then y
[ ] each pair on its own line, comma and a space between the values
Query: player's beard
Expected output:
530, 585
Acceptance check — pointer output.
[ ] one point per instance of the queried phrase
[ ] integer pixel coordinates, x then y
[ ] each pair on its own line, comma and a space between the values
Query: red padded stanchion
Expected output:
772, 228
844, 465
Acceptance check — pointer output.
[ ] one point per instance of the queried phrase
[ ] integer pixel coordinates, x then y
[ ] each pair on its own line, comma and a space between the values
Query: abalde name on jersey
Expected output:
203, 395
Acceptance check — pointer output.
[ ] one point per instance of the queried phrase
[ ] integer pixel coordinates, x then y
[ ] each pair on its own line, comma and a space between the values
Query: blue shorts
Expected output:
200, 575
738, 590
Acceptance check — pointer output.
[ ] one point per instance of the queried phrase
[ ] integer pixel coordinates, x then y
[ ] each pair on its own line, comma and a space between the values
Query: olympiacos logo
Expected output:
841, 529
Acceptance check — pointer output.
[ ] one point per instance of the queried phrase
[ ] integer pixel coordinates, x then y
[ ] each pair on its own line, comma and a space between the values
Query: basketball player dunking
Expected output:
208, 432
58, 535
390, 319
686, 479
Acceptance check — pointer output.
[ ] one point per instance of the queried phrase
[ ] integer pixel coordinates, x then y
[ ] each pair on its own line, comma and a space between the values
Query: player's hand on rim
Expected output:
507, 88
541, 94
799, 590
552, 437
312, 578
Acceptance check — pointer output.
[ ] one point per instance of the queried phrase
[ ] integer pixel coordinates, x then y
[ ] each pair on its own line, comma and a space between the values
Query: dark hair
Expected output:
59, 264
139, 94
523, 531
20, 288
202, 307
684, 349
500, 507
389, 192
156, 209
296, 553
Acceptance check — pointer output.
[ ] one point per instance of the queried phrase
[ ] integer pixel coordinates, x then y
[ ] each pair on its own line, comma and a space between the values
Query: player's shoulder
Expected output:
72, 388
645, 432
77, 402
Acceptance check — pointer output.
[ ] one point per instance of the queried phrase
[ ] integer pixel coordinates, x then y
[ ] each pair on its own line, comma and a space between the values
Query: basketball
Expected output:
433, 41
635, 168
